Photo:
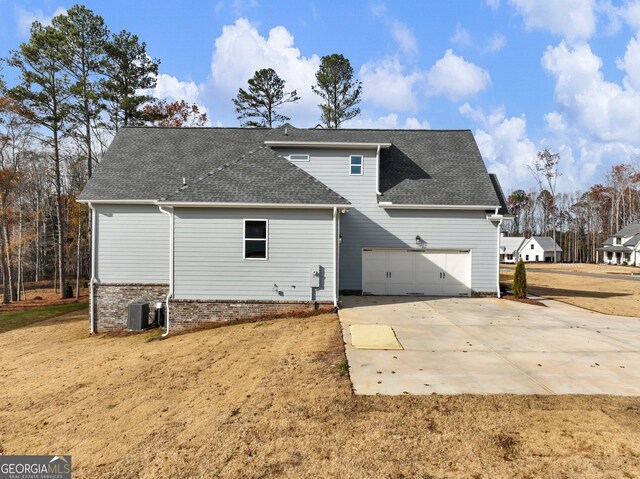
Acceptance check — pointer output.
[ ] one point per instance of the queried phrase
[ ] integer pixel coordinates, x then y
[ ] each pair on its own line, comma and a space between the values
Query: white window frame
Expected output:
361, 165
245, 239
291, 157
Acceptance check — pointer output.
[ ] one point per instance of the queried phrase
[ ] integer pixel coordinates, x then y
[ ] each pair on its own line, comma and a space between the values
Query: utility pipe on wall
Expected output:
170, 294
335, 257
93, 270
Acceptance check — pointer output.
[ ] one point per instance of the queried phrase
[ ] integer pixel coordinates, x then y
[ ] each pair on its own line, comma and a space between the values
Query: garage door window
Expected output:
256, 239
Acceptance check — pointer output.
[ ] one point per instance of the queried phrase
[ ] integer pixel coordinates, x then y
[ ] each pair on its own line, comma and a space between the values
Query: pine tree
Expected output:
265, 96
82, 56
338, 89
128, 69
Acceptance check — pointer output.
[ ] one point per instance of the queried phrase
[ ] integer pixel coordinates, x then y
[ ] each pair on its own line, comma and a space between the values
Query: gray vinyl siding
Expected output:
132, 244
368, 225
209, 263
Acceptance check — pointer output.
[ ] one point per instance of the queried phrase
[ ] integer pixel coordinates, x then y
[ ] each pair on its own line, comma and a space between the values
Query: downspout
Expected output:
335, 257
378, 171
498, 259
170, 294
92, 305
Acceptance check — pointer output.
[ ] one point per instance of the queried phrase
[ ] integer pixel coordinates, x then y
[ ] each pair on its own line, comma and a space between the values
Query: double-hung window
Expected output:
356, 165
256, 239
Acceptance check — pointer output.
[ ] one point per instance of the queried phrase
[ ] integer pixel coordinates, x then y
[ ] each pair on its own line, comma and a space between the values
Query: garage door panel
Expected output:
401, 272
429, 268
374, 272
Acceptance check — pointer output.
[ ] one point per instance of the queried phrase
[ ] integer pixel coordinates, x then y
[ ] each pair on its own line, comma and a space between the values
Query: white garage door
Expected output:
430, 273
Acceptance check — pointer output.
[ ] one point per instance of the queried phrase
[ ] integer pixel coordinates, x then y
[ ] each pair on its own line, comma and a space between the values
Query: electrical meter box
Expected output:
314, 276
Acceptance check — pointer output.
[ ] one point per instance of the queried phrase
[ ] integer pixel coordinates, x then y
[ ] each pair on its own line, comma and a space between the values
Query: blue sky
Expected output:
521, 74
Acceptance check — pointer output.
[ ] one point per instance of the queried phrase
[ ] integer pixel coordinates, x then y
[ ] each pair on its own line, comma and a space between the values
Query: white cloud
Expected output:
494, 4
554, 121
496, 43
461, 36
574, 20
240, 50
504, 144
170, 88
24, 18
631, 64
390, 121
631, 14
385, 84
607, 111
456, 78
412, 123
404, 37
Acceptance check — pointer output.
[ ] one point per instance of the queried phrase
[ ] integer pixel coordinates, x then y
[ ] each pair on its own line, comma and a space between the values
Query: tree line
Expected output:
579, 221
77, 84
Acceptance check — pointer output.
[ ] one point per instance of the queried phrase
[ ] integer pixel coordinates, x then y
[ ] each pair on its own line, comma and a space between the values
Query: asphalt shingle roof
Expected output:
546, 243
281, 182
433, 167
511, 244
630, 229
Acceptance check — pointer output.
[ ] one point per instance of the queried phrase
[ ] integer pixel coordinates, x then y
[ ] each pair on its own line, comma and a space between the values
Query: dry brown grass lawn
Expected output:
267, 400
605, 295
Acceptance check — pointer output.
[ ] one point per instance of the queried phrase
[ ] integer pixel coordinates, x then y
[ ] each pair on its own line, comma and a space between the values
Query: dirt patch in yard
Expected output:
604, 295
272, 399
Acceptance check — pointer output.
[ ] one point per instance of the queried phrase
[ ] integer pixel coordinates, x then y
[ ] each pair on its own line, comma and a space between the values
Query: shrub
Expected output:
520, 281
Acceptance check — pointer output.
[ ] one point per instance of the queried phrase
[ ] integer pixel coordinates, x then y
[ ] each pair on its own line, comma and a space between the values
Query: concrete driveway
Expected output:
488, 345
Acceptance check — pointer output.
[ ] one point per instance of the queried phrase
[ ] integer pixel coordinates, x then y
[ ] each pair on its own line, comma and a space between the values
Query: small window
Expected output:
298, 157
355, 165
255, 239
531, 245
526, 257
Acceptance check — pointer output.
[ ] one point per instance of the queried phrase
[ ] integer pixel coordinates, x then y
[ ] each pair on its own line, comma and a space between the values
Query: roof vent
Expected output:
286, 131
184, 181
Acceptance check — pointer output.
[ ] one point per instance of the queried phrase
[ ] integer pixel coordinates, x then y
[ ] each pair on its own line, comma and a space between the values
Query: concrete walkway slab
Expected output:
487, 345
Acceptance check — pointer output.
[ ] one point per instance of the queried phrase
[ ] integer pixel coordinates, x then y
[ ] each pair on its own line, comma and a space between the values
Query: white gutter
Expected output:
498, 259
389, 205
335, 257
378, 171
197, 204
170, 294
118, 202
326, 144
93, 271
499, 218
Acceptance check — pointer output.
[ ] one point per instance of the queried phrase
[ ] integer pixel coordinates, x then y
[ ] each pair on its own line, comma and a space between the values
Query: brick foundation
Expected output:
188, 313
112, 302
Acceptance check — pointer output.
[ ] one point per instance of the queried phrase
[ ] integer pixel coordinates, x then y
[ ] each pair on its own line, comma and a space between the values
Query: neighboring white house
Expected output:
510, 248
222, 223
536, 249
623, 247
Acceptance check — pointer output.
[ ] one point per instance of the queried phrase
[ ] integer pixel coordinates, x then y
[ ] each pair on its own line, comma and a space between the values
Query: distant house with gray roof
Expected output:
623, 247
213, 224
536, 249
